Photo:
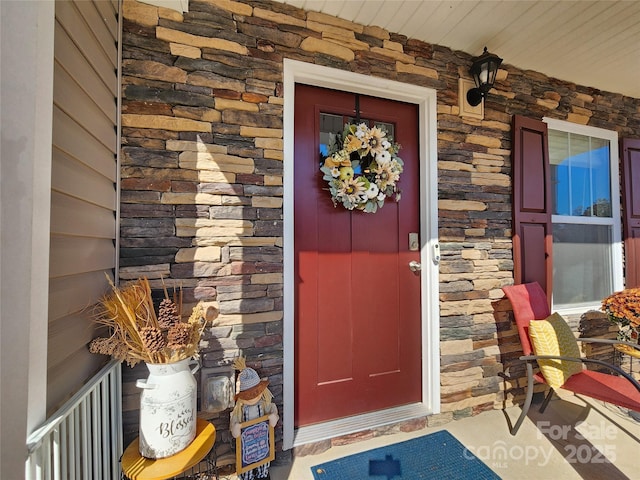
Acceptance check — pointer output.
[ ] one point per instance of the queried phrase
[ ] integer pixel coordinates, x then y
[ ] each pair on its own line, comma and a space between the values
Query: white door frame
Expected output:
425, 98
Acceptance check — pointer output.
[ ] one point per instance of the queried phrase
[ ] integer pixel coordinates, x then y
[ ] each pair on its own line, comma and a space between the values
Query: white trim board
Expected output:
345, 426
425, 98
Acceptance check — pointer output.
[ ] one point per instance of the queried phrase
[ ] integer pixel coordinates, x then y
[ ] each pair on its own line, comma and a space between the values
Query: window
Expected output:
587, 255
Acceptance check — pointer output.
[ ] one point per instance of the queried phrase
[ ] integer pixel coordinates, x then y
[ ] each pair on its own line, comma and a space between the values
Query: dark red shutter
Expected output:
631, 209
532, 241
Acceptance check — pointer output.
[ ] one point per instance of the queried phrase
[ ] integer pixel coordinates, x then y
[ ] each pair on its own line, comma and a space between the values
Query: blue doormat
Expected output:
436, 456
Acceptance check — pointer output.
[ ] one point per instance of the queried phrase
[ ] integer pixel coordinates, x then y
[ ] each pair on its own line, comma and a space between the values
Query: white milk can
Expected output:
168, 406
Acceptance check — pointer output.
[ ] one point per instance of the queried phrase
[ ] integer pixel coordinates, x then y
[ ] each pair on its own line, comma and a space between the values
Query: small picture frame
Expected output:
255, 445
217, 389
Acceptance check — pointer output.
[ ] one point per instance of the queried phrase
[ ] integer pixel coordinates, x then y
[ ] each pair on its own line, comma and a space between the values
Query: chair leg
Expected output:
546, 401
527, 401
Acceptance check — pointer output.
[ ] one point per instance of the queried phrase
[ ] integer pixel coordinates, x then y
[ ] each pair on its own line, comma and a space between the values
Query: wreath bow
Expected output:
362, 168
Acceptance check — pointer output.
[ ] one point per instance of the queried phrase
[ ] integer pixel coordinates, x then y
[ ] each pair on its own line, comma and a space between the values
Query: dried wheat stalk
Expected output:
137, 335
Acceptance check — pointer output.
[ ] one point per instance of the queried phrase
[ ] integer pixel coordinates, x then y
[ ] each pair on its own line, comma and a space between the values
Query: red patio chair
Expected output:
529, 302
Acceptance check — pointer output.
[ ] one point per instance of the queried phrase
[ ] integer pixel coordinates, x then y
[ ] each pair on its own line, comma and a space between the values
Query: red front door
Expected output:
358, 328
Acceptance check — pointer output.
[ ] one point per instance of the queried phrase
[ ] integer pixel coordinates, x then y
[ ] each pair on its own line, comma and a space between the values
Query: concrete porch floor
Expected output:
576, 438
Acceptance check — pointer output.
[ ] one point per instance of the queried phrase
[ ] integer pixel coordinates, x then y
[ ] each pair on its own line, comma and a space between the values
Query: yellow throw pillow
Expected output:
553, 336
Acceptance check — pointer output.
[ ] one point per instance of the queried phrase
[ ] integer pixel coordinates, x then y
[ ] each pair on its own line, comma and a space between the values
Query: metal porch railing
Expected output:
83, 439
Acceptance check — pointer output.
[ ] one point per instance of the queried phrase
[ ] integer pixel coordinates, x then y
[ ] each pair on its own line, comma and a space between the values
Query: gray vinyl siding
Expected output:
83, 187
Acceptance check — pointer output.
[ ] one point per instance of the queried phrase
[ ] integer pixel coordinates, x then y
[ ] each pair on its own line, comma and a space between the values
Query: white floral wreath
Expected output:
362, 168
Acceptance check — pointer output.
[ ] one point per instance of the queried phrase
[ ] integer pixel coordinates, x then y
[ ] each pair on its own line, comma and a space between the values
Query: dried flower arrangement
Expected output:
623, 309
138, 334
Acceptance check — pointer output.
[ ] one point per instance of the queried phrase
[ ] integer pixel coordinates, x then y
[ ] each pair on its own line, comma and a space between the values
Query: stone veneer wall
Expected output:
202, 177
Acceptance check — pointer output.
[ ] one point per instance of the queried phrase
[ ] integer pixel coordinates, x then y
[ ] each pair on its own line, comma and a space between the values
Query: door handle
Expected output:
415, 267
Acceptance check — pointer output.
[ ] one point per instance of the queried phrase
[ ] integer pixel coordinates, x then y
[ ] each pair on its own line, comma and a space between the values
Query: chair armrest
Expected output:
609, 341
607, 365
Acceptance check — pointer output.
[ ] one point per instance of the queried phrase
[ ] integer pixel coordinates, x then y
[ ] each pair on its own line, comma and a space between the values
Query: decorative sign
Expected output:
255, 445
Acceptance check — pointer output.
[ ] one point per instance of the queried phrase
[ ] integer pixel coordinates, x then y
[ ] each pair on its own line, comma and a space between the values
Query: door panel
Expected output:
358, 337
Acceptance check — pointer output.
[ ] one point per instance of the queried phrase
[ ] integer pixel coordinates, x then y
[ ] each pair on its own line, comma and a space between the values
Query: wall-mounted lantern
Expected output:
483, 70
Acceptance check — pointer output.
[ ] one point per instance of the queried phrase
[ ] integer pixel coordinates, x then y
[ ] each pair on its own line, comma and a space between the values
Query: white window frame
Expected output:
615, 220
321, 76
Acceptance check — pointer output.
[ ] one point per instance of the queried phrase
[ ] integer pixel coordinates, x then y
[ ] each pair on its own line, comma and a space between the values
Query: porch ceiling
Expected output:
590, 43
